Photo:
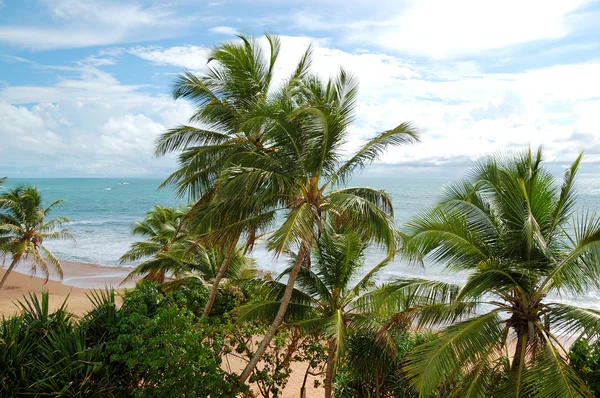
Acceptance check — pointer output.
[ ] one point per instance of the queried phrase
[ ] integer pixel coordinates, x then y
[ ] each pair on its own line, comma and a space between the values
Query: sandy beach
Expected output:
79, 279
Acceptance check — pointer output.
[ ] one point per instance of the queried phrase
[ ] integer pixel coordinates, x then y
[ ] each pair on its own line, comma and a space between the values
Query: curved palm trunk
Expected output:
215, 287
285, 301
12, 265
329, 369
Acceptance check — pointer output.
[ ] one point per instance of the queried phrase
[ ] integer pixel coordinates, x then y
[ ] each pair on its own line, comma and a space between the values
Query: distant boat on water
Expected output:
123, 183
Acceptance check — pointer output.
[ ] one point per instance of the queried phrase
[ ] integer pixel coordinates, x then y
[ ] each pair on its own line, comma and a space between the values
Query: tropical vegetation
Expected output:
263, 161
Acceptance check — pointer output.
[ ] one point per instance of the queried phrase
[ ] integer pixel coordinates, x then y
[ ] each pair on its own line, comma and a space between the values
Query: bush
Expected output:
45, 353
152, 346
585, 359
166, 354
368, 364
162, 348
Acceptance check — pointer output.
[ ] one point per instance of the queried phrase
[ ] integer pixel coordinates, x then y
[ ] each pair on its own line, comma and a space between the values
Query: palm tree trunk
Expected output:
519, 352
215, 287
329, 369
285, 301
12, 265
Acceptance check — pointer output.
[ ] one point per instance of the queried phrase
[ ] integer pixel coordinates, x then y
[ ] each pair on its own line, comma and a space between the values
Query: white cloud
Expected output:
188, 57
443, 29
85, 124
224, 30
463, 112
83, 23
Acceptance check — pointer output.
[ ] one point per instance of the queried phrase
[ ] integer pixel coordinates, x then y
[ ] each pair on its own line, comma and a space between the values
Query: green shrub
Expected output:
45, 353
228, 297
585, 359
163, 349
368, 364
152, 346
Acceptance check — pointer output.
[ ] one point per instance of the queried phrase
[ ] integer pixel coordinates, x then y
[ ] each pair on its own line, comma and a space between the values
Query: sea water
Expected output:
102, 212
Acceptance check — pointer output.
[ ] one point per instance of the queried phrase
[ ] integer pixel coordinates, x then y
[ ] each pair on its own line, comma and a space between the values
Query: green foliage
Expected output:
368, 364
288, 346
585, 359
45, 353
166, 354
228, 297
154, 345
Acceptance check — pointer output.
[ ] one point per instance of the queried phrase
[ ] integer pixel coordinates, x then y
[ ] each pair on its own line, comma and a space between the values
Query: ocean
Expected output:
103, 210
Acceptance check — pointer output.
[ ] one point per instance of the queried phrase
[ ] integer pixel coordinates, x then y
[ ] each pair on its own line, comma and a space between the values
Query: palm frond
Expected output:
465, 342
405, 133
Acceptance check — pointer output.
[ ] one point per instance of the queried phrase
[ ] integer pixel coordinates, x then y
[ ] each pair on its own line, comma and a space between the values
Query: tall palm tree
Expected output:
230, 95
330, 299
507, 228
24, 227
302, 176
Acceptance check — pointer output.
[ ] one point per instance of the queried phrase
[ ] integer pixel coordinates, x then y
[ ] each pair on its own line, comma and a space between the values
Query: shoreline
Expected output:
80, 275
79, 280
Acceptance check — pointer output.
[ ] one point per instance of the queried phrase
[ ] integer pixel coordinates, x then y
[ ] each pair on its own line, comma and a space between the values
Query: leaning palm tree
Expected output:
24, 227
507, 227
331, 299
303, 174
238, 83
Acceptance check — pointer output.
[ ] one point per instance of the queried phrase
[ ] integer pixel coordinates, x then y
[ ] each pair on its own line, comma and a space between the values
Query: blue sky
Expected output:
84, 85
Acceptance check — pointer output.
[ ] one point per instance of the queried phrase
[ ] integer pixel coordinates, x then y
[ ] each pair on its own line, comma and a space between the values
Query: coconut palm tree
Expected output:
507, 228
165, 248
303, 175
184, 256
331, 299
231, 96
24, 227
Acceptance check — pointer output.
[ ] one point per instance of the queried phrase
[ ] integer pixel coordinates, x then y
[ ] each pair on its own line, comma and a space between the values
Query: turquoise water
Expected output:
102, 212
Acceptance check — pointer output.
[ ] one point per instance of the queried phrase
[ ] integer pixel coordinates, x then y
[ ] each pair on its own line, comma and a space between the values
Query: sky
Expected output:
85, 85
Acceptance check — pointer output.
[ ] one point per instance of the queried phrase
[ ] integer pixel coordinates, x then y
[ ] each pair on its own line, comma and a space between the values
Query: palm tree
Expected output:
24, 227
330, 299
230, 97
302, 173
204, 263
165, 247
506, 227
172, 249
